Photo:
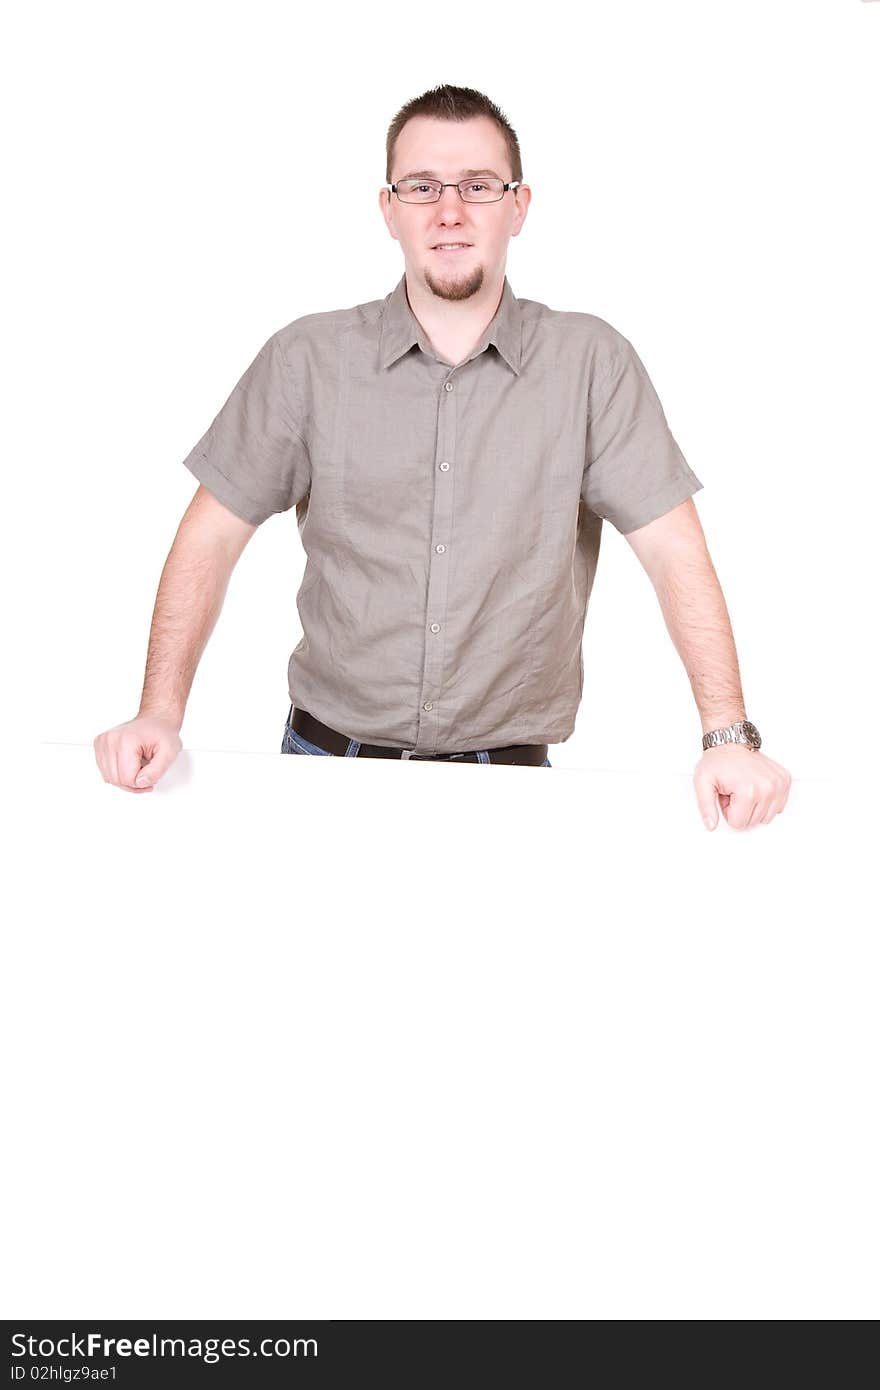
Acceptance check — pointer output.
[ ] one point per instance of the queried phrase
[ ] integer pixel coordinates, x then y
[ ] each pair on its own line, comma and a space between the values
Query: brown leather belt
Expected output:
531, 754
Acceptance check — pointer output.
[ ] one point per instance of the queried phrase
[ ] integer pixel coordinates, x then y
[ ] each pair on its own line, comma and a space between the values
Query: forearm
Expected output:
698, 622
188, 602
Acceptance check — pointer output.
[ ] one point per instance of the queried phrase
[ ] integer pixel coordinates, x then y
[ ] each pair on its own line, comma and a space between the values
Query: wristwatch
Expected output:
743, 731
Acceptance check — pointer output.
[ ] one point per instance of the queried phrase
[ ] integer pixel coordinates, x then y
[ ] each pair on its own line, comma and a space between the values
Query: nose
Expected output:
448, 216
450, 198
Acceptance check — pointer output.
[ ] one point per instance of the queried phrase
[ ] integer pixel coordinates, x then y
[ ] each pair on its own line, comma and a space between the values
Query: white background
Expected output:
378, 1049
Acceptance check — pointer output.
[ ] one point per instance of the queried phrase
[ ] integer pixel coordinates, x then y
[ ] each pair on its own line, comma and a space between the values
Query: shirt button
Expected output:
448, 386
439, 549
435, 627
429, 705
444, 467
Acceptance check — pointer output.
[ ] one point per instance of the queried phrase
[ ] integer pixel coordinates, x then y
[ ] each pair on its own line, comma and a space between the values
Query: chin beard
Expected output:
462, 287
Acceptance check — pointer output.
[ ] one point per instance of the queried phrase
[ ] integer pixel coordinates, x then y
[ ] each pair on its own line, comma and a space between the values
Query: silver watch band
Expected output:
743, 731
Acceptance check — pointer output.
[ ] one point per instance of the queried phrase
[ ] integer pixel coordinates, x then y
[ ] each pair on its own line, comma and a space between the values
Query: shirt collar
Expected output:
399, 328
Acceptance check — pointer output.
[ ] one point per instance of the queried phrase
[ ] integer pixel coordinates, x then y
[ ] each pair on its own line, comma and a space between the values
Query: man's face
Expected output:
451, 151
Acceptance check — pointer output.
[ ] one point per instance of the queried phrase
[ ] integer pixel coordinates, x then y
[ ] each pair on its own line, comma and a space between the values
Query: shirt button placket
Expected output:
438, 573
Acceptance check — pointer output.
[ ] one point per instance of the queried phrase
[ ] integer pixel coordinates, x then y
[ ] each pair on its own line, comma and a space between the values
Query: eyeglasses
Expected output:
470, 190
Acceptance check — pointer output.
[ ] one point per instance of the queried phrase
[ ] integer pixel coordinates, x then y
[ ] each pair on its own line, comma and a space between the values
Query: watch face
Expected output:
749, 728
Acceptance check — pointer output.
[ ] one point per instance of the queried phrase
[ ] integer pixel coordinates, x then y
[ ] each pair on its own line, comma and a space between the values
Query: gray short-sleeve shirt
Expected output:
450, 514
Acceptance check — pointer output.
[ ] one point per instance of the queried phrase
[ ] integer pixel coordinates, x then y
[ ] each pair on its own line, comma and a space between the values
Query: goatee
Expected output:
467, 284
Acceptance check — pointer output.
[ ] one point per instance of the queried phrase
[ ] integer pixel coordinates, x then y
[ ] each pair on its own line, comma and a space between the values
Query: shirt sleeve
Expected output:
634, 469
252, 457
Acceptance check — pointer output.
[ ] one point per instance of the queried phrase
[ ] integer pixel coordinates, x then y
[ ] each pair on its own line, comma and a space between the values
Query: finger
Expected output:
756, 814
741, 811
784, 780
704, 788
777, 804
132, 762
158, 765
149, 774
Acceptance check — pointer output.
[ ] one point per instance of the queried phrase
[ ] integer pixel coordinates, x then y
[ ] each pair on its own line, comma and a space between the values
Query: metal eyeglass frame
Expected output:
516, 183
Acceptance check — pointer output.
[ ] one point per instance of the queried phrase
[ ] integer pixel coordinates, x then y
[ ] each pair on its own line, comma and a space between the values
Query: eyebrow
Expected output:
432, 174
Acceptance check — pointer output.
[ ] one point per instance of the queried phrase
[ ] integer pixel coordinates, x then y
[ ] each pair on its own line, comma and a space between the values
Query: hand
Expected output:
751, 788
134, 756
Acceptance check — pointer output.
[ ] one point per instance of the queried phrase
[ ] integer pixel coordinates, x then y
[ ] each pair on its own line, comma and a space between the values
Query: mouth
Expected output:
451, 248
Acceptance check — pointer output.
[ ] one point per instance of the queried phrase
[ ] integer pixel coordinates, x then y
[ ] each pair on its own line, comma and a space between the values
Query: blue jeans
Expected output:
293, 742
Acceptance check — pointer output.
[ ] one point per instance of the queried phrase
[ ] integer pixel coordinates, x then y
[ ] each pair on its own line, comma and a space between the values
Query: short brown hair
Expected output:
453, 104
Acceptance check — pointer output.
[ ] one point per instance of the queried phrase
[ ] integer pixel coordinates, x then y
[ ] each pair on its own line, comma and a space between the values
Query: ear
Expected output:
385, 208
523, 196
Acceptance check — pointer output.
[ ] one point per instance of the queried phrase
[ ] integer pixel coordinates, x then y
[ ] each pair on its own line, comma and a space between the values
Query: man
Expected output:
451, 452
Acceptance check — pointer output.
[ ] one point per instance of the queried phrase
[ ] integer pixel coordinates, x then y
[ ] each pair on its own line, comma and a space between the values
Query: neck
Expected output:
454, 326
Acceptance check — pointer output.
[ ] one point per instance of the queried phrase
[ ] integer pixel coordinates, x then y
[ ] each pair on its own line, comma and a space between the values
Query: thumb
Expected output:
705, 789
152, 771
